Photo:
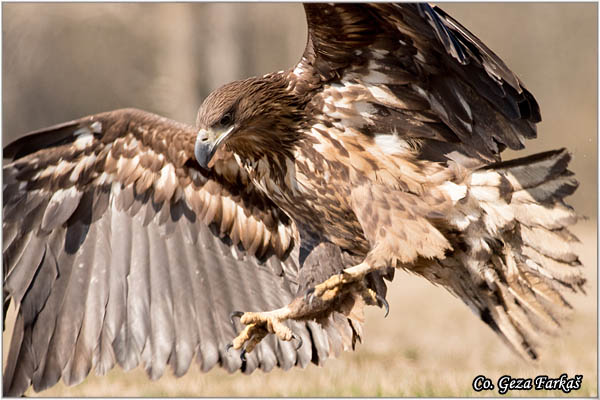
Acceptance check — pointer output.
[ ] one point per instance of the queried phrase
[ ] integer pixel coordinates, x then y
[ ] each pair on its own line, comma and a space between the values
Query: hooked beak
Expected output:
208, 142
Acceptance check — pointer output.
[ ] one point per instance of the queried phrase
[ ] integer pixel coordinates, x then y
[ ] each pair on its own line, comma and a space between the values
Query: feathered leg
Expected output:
340, 293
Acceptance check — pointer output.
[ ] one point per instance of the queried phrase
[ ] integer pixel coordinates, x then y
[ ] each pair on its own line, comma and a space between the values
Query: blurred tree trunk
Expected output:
176, 65
219, 71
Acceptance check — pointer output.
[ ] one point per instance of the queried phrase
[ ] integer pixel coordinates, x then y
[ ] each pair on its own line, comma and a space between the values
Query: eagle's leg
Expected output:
346, 280
330, 294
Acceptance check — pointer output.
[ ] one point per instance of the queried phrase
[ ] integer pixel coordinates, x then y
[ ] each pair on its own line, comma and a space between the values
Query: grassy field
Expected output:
429, 345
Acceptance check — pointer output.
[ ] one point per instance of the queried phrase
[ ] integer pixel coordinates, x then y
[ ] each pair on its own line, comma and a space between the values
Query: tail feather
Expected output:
516, 252
538, 215
547, 192
566, 274
555, 244
529, 172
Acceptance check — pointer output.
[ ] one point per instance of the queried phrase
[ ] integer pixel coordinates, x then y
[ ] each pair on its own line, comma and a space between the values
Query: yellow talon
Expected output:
259, 325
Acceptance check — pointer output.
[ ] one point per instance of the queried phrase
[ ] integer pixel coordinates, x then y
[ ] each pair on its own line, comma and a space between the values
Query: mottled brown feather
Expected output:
120, 195
432, 59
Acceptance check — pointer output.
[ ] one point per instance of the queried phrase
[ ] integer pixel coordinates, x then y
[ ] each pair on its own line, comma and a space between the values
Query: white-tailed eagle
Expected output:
130, 238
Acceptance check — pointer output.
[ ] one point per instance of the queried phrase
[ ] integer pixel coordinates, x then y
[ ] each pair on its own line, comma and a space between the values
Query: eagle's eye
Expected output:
225, 120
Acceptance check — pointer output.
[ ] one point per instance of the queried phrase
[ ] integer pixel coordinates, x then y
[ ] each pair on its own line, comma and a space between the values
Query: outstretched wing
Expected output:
402, 88
412, 71
119, 249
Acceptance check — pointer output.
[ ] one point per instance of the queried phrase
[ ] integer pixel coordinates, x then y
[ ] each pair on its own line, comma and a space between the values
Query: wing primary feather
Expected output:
162, 325
86, 347
444, 35
22, 271
226, 296
138, 298
208, 354
112, 342
184, 306
215, 270
70, 313
19, 364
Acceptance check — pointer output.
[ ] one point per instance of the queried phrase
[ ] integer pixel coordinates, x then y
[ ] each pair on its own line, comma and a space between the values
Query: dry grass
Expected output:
430, 345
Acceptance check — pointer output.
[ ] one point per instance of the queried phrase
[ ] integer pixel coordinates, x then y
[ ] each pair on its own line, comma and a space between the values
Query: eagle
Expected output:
256, 238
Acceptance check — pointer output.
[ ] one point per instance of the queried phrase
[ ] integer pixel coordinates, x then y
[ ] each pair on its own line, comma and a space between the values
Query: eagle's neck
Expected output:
273, 173
267, 145
273, 117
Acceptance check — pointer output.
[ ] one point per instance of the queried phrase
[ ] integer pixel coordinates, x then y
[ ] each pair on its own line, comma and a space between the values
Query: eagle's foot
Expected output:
349, 279
373, 298
259, 325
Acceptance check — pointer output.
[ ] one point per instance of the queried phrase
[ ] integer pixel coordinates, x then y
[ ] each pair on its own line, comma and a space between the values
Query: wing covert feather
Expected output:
412, 70
119, 249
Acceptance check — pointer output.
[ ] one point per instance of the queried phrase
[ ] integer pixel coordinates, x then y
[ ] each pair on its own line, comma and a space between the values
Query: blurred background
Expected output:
64, 61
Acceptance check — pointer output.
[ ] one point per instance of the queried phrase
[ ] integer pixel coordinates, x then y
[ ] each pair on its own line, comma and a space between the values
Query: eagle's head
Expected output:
252, 118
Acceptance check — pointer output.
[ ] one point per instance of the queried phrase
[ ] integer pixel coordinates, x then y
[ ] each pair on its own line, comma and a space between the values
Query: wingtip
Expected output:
38, 139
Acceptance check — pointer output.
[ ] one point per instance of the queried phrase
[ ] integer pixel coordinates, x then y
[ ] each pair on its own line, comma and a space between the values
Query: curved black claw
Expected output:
242, 354
228, 347
235, 314
308, 294
299, 339
384, 302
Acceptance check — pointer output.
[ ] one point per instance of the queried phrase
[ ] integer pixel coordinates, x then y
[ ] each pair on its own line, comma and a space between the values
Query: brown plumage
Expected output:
130, 238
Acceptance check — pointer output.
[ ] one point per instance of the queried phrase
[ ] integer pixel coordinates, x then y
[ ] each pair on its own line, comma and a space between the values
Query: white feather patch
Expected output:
83, 140
84, 163
456, 192
320, 145
374, 76
391, 144
486, 193
496, 216
460, 220
60, 207
96, 127
485, 178
44, 173
103, 179
131, 144
167, 179
284, 235
290, 176
63, 167
385, 96
84, 130
298, 70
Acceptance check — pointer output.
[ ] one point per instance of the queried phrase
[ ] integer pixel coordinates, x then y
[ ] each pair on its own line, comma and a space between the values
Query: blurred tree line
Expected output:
61, 61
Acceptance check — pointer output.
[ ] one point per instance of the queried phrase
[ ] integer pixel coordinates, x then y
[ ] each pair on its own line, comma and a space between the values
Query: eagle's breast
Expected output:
312, 187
